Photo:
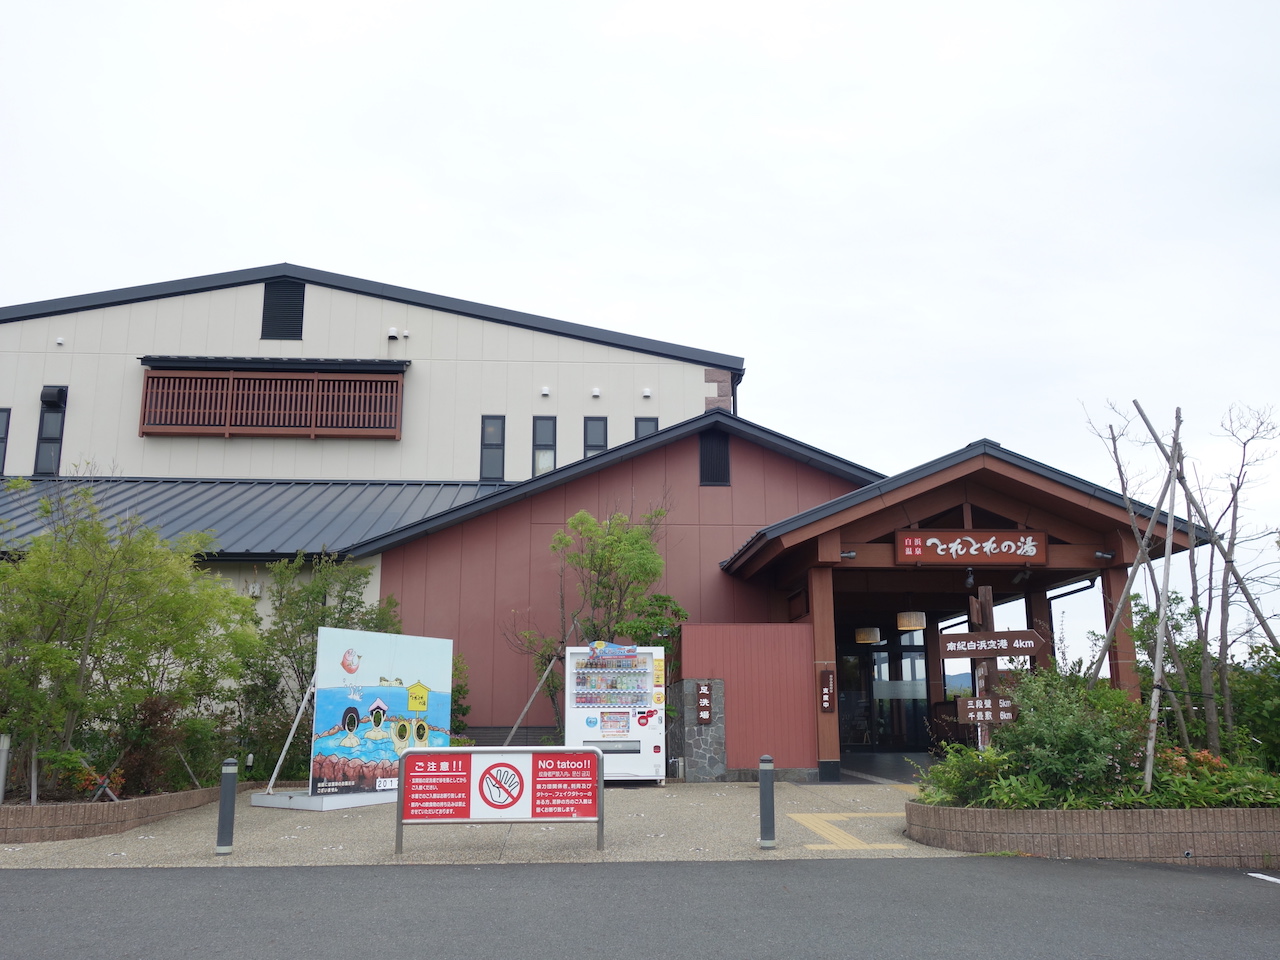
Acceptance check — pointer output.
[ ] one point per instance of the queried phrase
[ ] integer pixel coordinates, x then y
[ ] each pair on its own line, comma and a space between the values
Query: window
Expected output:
493, 431
282, 309
4, 437
249, 403
713, 456
53, 409
544, 445
646, 426
595, 435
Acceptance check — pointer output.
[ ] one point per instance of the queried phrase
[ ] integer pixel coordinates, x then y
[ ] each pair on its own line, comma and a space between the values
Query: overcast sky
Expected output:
920, 223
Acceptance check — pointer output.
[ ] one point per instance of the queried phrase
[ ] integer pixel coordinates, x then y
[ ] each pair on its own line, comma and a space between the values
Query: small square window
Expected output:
646, 426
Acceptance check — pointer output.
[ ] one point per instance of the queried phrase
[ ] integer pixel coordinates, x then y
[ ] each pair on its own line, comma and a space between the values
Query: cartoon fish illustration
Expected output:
351, 661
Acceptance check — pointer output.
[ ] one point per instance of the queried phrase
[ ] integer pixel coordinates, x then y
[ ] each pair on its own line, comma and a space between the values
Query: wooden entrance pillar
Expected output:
822, 614
1121, 655
1040, 619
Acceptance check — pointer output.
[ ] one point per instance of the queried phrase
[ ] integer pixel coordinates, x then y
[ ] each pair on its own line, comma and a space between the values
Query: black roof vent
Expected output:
282, 309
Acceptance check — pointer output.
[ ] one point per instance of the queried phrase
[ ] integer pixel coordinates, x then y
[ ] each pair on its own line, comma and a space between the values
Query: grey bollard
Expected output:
767, 839
227, 807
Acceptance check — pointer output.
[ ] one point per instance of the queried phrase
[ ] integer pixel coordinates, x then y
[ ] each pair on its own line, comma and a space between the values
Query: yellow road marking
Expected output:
823, 825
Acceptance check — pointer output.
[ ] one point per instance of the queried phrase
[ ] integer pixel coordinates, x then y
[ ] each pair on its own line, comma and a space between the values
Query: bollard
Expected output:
227, 807
767, 840
4, 763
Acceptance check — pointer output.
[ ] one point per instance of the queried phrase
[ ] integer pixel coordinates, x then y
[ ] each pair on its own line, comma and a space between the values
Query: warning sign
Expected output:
486, 783
564, 785
437, 787
501, 786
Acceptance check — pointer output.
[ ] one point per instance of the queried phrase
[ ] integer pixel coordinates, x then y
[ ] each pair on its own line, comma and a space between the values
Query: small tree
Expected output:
98, 616
304, 596
607, 570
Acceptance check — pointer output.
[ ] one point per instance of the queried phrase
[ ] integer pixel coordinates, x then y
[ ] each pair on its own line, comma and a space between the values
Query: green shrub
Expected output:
963, 777
1073, 739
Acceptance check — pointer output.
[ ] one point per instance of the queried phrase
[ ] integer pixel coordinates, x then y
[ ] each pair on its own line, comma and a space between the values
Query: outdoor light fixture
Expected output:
848, 554
1104, 554
866, 635
911, 620
968, 578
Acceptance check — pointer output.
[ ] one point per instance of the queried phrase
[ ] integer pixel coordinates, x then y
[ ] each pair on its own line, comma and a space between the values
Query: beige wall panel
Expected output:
443, 342
335, 458
470, 338
282, 460
262, 459
307, 459
184, 457
495, 342
167, 338
211, 456
140, 321
237, 459
200, 311
242, 336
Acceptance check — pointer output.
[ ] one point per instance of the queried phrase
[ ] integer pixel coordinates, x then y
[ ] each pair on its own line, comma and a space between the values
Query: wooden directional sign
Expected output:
993, 709
996, 643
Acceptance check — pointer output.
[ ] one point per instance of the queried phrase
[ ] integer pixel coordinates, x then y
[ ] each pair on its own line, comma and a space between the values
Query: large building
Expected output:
444, 442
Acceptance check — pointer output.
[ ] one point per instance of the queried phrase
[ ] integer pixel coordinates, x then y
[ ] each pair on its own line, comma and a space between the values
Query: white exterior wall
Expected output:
242, 576
463, 368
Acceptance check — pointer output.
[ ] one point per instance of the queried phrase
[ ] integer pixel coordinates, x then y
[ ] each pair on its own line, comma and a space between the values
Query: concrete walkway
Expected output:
676, 822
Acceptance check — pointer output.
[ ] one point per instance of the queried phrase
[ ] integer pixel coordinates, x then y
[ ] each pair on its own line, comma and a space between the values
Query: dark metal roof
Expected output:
276, 364
711, 420
266, 519
257, 519
976, 449
337, 281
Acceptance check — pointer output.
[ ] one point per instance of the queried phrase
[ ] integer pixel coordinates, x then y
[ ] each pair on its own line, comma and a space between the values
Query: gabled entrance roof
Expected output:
984, 475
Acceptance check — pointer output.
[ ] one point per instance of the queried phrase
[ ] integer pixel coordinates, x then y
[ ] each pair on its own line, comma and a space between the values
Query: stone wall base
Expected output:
75, 821
1237, 837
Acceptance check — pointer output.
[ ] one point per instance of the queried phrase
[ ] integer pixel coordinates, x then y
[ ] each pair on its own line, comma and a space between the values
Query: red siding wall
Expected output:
495, 575
770, 695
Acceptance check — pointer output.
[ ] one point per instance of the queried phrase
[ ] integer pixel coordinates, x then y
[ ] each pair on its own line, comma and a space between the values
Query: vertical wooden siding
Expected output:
473, 582
770, 696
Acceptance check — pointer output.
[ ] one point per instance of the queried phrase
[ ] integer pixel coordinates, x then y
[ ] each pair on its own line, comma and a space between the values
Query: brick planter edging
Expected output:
1219, 837
75, 821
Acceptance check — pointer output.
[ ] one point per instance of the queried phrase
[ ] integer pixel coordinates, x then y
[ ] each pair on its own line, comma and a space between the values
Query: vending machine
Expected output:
615, 700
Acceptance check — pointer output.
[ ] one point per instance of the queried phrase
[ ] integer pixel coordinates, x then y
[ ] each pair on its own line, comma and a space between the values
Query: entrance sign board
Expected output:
971, 548
501, 785
996, 643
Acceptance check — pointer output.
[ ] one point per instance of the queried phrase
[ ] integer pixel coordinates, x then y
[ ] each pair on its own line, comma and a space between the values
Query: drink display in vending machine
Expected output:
615, 700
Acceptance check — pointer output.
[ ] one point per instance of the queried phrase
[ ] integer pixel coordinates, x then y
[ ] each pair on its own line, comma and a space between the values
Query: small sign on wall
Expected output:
827, 691
704, 703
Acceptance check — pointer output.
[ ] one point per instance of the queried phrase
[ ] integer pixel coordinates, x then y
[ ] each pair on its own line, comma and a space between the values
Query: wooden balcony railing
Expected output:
244, 404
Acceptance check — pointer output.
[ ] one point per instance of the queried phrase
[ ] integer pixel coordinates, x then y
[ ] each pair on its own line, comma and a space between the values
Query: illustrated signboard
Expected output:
377, 695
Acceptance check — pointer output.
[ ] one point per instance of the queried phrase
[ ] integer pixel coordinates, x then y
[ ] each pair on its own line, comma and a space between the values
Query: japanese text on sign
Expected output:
704, 703
971, 547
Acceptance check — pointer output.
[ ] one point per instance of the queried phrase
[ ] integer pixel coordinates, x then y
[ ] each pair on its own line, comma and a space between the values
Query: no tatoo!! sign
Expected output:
473, 784
501, 784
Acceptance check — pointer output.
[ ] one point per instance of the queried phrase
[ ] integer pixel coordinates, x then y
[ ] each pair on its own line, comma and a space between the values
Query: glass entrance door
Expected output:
883, 700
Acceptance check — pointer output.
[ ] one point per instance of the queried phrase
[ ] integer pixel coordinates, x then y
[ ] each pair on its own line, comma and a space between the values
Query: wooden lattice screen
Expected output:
242, 404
